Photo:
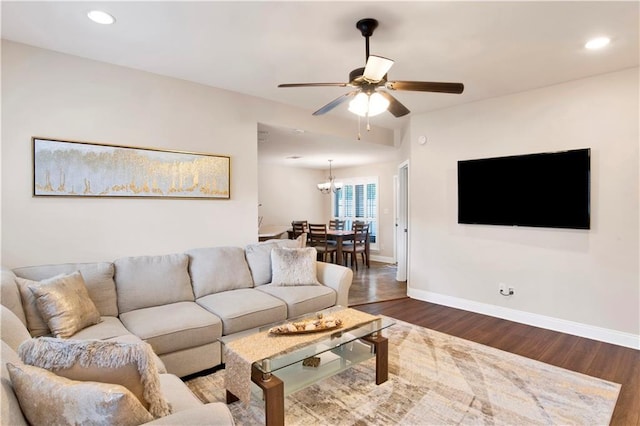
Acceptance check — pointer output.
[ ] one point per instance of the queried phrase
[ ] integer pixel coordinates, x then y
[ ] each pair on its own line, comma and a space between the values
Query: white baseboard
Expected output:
383, 259
556, 324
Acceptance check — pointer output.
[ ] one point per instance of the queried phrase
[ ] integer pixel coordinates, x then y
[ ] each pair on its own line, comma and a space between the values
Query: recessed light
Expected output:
100, 17
597, 43
293, 157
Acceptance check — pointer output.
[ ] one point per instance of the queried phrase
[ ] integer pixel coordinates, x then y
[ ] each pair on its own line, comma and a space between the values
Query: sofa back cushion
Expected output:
10, 295
259, 257
218, 269
12, 330
147, 281
98, 277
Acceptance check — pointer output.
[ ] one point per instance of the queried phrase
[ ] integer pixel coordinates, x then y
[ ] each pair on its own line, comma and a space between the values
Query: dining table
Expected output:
339, 236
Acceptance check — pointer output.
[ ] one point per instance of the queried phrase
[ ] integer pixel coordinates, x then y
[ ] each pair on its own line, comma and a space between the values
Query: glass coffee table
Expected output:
294, 369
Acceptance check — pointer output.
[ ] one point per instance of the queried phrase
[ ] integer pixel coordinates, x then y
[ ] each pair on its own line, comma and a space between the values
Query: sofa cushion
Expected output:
107, 328
259, 257
98, 278
218, 269
46, 398
12, 330
173, 327
9, 405
64, 304
301, 300
244, 309
147, 281
216, 413
131, 365
177, 393
293, 267
10, 295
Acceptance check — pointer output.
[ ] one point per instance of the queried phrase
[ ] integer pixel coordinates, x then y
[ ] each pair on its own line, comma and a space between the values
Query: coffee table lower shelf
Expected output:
295, 377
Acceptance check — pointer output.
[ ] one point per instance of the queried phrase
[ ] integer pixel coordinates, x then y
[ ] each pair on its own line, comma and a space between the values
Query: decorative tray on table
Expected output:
312, 325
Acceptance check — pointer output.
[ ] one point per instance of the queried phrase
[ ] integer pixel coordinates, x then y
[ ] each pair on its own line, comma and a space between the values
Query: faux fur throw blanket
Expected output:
58, 354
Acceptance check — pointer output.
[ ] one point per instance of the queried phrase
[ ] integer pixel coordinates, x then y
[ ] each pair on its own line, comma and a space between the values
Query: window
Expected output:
358, 201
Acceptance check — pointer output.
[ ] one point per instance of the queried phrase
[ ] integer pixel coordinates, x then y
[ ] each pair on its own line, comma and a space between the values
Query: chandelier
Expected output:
331, 185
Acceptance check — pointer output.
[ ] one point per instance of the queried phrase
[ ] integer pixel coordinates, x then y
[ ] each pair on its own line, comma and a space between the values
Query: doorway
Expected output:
402, 222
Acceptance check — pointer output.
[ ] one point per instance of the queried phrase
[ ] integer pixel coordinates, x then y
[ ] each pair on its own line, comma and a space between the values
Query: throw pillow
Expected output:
36, 325
46, 398
293, 267
64, 304
259, 256
131, 365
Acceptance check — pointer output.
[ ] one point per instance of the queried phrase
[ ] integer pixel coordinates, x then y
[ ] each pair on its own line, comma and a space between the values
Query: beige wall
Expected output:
584, 277
289, 193
59, 96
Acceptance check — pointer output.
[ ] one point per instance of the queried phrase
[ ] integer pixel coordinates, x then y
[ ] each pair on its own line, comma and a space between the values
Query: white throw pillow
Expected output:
292, 267
259, 257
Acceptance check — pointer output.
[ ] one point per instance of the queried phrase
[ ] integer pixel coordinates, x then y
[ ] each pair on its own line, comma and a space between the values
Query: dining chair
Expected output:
318, 239
357, 245
336, 224
299, 227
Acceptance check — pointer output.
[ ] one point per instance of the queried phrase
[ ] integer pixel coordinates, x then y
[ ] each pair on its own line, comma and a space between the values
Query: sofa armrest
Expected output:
337, 277
215, 413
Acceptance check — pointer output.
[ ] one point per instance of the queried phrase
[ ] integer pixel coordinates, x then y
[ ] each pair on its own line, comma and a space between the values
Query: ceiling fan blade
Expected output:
395, 107
377, 67
313, 85
334, 103
425, 86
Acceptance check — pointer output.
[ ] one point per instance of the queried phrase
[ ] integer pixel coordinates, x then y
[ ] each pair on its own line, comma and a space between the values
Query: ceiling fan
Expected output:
367, 99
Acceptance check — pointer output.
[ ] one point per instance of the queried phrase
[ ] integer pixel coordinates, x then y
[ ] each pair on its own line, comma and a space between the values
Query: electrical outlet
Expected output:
504, 290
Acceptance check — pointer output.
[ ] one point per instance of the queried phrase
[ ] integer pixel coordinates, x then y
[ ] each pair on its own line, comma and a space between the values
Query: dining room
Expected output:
298, 183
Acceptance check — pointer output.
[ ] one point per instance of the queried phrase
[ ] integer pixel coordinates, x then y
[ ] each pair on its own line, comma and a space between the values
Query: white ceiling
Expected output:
494, 48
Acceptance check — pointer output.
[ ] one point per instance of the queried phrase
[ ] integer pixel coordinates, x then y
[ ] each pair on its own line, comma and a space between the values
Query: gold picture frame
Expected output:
86, 169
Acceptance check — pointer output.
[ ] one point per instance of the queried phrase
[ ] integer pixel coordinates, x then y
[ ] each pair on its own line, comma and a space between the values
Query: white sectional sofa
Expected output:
187, 409
180, 304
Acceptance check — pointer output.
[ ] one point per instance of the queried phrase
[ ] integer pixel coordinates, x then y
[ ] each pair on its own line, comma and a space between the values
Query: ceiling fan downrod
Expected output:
366, 27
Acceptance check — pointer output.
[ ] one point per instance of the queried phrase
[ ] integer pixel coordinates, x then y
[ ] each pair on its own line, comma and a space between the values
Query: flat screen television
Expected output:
550, 190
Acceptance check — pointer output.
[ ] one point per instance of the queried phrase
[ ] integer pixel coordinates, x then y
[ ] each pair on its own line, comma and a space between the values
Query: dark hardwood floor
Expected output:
610, 362
375, 284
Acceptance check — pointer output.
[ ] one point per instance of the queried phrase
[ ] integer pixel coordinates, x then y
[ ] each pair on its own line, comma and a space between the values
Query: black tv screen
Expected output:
544, 190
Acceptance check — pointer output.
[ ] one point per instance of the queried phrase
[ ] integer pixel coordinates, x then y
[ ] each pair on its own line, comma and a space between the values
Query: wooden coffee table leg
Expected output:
231, 398
273, 391
381, 347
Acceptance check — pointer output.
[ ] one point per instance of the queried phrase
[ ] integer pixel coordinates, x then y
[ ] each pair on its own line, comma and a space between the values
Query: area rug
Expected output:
437, 379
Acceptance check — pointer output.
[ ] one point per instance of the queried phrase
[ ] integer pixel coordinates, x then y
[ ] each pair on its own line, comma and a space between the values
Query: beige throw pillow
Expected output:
36, 325
64, 304
46, 398
292, 267
131, 365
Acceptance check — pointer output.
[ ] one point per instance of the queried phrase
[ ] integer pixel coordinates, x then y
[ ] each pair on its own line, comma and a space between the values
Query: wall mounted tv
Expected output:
549, 190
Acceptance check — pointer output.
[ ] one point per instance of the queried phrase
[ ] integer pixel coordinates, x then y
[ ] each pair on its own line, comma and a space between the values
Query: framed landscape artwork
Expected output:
81, 169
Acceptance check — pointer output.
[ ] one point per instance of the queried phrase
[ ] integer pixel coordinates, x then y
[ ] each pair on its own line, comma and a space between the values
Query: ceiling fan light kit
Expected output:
368, 105
371, 96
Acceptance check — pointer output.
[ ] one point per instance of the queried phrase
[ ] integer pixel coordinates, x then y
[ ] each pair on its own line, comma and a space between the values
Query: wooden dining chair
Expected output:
336, 224
318, 238
299, 227
357, 245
